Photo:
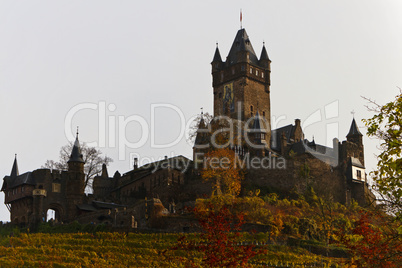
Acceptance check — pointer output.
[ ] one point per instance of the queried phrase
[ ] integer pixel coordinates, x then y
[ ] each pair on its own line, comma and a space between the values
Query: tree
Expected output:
374, 242
219, 239
222, 167
386, 125
93, 159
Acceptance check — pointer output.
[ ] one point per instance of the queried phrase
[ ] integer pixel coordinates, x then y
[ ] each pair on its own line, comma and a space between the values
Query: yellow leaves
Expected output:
222, 167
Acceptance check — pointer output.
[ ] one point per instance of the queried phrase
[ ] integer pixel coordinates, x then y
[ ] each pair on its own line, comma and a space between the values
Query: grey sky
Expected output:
55, 55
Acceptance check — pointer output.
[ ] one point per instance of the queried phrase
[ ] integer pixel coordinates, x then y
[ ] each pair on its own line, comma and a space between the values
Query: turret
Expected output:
354, 134
217, 60
14, 171
76, 161
264, 61
258, 135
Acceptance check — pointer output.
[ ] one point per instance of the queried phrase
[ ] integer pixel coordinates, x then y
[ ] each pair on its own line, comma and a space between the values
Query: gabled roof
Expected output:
354, 130
276, 135
356, 162
12, 182
241, 43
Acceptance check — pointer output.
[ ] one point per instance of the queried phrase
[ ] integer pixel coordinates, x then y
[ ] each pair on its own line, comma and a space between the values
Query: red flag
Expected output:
241, 16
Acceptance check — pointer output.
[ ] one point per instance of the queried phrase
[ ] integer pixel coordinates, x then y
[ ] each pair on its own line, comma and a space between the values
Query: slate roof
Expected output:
264, 54
354, 130
14, 170
241, 43
258, 126
76, 155
276, 135
217, 55
11, 182
356, 162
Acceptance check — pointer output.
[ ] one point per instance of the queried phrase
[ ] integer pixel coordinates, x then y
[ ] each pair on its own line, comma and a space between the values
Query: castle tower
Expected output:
75, 185
202, 140
242, 82
356, 138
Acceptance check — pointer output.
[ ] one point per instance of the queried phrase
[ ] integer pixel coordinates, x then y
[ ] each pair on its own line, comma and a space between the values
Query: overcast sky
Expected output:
105, 64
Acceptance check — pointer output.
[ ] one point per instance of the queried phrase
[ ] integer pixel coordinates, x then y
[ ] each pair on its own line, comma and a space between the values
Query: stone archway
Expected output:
54, 213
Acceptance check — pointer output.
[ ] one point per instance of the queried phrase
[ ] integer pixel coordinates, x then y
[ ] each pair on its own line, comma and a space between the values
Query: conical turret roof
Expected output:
217, 55
257, 124
76, 155
14, 171
264, 54
354, 130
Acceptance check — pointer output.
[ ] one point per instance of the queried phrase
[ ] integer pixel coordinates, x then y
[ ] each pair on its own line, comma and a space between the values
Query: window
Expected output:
256, 72
251, 108
263, 113
56, 187
262, 74
359, 174
251, 70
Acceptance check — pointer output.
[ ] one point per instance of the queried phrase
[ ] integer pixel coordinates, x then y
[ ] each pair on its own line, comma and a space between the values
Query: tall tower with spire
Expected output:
241, 84
355, 139
76, 181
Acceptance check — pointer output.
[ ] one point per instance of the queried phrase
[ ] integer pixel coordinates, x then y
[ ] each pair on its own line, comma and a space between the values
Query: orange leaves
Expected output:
374, 245
222, 167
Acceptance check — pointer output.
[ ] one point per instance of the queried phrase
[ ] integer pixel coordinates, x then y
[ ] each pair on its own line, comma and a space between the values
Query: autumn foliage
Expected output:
374, 242
220, 166
220, 239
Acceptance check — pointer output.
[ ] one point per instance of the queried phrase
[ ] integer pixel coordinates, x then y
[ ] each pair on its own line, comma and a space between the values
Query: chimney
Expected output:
135, 163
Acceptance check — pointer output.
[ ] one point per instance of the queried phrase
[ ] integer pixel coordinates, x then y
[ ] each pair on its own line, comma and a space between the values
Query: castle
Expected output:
241, 89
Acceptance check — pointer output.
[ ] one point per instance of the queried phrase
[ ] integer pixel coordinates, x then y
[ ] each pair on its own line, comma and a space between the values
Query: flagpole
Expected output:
241, 19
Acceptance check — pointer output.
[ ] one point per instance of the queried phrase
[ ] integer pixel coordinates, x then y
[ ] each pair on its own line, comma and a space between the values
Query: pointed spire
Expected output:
354, 130
76, 155
14, 171
264, 53
202, 124
104, 172
217, 56
241, 44
257, 124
